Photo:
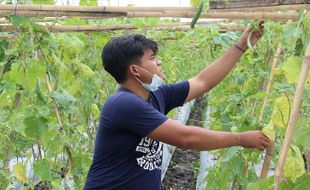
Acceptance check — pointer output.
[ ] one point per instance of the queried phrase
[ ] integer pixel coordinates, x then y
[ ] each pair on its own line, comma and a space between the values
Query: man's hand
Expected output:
254, 139
216, 72
256, 35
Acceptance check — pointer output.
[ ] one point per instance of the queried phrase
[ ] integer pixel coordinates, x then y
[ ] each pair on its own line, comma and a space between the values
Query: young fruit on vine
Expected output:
256, 26
198, 12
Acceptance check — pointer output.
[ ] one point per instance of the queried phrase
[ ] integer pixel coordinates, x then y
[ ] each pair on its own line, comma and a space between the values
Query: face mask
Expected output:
156, 82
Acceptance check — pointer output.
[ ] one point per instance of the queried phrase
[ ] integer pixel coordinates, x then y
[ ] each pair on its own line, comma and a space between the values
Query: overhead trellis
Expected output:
108, 12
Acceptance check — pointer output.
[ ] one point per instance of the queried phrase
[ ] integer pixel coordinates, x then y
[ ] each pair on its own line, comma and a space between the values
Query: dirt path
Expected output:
181, 172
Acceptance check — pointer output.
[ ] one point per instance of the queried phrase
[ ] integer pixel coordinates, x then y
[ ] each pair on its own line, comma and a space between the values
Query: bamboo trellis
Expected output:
95, 28
103, 12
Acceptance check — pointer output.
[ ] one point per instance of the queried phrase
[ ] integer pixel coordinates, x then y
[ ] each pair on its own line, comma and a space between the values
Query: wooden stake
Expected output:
267, 161
293, 117
269, 86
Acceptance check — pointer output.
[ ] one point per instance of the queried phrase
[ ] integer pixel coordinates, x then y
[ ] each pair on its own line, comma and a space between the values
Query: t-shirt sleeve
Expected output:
174, 94
134, 114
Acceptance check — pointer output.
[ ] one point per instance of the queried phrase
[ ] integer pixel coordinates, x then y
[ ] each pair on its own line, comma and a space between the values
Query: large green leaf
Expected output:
261, 184
63, 98
42, 169
35, 126
302, 134
291, 33
292, 68
294, 166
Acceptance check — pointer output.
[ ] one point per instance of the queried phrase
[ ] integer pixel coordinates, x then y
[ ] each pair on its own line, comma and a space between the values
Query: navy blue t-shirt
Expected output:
124, 157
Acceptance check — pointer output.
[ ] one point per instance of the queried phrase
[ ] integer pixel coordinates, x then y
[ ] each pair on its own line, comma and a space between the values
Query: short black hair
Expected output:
121, 52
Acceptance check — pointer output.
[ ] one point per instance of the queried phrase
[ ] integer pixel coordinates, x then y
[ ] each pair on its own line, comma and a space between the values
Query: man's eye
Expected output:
152, 57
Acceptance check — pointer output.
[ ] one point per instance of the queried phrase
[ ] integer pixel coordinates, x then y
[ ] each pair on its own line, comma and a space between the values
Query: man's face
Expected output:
151, 64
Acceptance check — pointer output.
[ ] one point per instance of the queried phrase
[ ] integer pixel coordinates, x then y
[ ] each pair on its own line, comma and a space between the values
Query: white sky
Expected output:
136, 3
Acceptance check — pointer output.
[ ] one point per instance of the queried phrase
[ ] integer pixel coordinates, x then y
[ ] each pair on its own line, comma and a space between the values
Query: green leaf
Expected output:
71, 43
281, 112
20, 172
35, 126
42, 169
43, 2
18, 20
4, 44
63, 98
291, 33
36, 70
261, 184
54, 148
294, 166
292, 68
88, 3
16, 73
302, 134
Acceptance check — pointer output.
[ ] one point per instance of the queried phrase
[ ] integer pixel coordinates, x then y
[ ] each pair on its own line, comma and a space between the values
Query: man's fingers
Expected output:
265, 135
261, 148
262, 24
265, 144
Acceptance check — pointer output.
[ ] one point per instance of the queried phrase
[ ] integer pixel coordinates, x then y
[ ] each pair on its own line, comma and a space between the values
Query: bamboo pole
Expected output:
188, 14
265, 9
269, 151
293, 117
267, 160
101, 9
53, 19
220, 15
94, 28
93, 9
269, 85
29, 13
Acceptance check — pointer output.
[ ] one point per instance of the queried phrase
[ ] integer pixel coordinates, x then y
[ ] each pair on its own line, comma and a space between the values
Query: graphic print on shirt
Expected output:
153, 153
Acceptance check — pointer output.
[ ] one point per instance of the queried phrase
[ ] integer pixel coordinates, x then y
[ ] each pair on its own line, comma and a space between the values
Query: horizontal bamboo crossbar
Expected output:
55, 19
224, 4
30, 13
93, 9
266, 9
220, 15
94, 28
108, 12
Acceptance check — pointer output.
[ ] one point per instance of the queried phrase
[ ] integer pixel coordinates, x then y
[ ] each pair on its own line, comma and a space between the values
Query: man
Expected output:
128, 148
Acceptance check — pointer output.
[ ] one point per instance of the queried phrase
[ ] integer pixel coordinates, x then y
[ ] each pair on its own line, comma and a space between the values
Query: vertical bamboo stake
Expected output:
269, 150
269, 86
267, 161
293, 117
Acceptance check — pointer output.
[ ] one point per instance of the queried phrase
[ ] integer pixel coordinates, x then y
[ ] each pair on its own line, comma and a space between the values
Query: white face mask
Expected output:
156, 81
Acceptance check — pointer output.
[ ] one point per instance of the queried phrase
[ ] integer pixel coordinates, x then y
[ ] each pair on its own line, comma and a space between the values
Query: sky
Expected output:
137, 3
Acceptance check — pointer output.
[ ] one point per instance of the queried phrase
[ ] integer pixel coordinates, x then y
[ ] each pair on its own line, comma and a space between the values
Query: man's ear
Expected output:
134, 70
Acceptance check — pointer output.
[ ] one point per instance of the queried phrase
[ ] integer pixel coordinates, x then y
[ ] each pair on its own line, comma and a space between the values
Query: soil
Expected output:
181, 173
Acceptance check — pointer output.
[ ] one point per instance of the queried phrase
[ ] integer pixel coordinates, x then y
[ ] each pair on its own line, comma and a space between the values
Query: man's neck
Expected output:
136, 88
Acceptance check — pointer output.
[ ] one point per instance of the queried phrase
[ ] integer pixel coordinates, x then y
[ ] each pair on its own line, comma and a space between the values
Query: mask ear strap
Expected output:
137, 79
144, 70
